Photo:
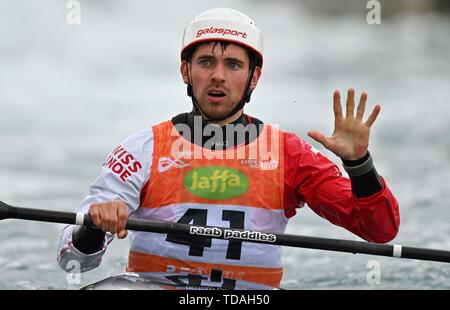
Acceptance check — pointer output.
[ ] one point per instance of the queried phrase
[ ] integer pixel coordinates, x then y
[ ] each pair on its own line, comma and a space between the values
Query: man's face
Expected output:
218, 77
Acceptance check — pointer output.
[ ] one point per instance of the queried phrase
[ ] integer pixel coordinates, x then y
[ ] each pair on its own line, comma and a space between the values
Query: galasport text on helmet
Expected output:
223, 24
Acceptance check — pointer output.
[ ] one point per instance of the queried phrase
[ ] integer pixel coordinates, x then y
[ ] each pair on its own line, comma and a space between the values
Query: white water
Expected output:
70, 93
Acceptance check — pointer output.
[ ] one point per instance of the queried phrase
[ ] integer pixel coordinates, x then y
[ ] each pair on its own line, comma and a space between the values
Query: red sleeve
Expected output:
312, 178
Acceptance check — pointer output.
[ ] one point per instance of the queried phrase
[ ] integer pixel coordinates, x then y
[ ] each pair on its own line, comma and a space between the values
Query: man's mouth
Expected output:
216, 95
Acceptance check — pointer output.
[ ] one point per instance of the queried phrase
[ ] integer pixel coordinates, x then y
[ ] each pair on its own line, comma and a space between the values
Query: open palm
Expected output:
350, 138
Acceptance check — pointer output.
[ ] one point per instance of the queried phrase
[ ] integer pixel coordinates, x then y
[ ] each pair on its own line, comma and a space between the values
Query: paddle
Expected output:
393, 250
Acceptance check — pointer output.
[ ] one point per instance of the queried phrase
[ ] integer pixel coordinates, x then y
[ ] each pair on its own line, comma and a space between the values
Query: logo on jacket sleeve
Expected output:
216, 182
122, 163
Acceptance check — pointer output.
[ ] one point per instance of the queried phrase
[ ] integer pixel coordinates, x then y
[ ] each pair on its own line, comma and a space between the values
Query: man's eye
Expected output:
234, 65
205, 62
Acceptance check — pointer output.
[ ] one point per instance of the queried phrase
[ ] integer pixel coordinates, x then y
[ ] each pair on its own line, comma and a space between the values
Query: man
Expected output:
178, 171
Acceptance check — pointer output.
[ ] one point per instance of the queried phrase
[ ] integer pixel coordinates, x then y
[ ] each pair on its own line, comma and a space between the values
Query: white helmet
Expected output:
222, 24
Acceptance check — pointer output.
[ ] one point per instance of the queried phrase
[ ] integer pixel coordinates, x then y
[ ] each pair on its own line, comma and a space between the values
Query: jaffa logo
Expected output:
216, 182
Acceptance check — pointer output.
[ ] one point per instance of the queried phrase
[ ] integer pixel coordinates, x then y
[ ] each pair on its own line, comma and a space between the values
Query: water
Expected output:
69, 94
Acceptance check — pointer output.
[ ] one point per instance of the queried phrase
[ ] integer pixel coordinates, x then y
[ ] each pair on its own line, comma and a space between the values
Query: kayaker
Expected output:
205, 167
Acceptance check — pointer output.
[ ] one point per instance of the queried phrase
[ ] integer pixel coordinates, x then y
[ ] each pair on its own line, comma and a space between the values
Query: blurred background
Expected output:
69, 93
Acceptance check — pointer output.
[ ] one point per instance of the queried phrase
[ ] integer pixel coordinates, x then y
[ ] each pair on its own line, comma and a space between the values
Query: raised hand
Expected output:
350, 138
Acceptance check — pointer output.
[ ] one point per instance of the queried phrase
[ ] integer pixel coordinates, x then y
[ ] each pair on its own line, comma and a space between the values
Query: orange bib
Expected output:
242, 187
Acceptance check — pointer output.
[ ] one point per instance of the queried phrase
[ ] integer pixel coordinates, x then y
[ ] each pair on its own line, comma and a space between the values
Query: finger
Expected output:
361, 106
122, 214
122, 234
319, 137
113, 218
373, 116
337, 108
95, 215
350, 102
104, 217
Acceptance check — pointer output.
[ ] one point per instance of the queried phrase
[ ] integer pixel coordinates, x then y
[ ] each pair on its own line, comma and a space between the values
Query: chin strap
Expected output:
245, 98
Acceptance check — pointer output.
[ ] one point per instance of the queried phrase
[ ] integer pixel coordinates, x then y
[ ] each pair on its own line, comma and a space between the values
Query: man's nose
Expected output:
219, 73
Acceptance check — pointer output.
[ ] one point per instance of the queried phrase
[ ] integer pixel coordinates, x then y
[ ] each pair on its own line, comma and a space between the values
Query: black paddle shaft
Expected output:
349, 246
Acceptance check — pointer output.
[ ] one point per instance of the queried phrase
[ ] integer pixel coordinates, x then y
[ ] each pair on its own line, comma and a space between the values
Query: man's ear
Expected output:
184, 72
255, 78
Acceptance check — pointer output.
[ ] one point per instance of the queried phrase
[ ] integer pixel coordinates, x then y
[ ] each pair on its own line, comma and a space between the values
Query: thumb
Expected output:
319, 137
122, 234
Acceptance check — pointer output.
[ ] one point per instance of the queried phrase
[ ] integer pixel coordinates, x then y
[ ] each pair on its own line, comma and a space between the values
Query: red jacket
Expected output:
313, 179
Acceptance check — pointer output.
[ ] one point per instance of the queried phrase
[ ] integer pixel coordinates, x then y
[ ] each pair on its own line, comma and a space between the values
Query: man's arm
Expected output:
364, 205
114, 189
362, 209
